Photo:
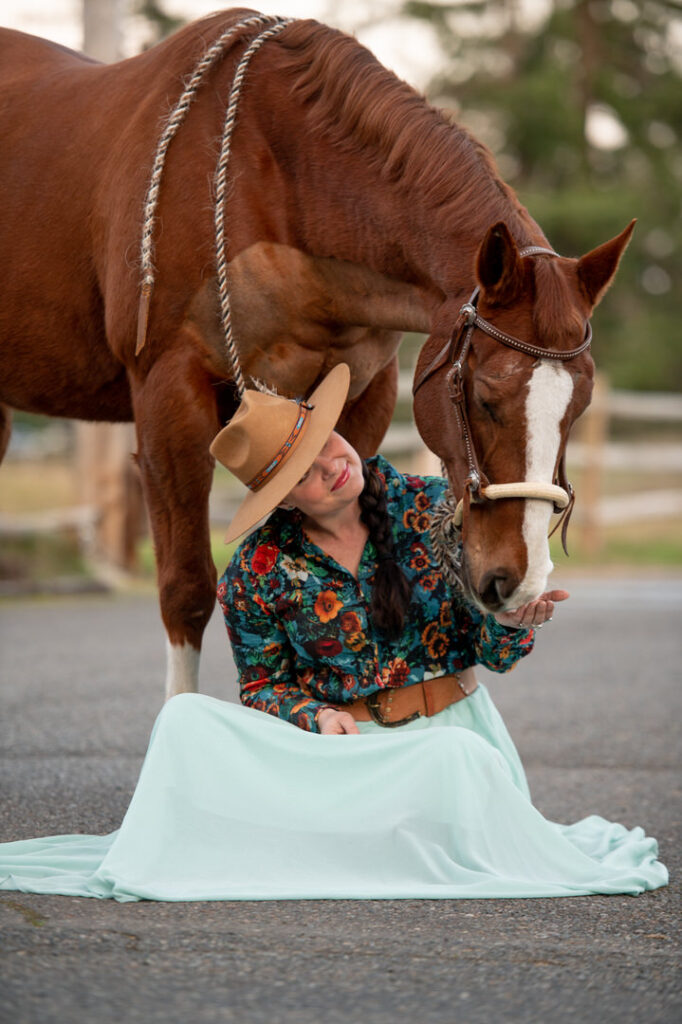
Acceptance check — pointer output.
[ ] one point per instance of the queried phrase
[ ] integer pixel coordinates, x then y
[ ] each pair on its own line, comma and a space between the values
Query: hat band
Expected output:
283, 454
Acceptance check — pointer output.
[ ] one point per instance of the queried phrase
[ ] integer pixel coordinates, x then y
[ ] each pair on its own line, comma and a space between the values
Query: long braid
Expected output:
391, 590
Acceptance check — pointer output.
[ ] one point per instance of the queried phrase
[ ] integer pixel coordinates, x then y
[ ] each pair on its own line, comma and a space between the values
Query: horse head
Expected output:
495, 399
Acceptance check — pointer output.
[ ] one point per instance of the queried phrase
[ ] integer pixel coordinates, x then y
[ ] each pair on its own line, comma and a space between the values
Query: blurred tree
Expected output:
161, 23
581, 102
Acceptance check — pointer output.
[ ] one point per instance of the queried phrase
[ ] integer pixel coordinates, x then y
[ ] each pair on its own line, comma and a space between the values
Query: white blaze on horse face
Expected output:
549, 393
182, 669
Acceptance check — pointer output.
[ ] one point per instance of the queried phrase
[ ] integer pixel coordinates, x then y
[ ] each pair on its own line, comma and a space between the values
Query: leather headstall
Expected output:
477, 488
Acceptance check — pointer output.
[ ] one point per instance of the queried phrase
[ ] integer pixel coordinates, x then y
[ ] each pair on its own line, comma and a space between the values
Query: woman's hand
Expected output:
535, 613
330, 721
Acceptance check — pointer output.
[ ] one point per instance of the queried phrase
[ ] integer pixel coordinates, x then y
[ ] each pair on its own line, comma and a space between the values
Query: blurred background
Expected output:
581, 103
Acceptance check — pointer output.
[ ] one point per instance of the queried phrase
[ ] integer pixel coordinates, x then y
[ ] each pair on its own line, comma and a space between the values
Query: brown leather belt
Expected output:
403, 704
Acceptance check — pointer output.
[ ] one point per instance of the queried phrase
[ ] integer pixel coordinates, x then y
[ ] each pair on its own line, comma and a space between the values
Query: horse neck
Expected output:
404, 233
304, 183
423, 223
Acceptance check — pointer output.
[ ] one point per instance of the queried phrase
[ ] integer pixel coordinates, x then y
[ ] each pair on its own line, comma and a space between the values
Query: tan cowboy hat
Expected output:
271, 441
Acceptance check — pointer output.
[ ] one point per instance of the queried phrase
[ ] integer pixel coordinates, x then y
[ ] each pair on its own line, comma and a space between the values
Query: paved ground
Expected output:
596, 714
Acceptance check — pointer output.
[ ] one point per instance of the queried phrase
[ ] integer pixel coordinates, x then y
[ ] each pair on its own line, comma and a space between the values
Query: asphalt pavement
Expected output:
595, 712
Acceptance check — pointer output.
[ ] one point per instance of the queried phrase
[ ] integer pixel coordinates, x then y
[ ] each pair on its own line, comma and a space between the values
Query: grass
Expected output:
220, 552
31, 487
38, 557
650, 545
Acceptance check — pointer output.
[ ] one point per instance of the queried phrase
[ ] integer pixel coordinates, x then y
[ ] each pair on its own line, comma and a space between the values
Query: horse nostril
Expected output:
496, 586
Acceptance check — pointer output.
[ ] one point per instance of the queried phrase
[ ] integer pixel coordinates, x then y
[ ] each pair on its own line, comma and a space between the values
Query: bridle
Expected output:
476, 486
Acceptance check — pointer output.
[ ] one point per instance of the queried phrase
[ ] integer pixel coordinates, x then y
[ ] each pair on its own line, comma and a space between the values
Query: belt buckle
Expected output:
376, 716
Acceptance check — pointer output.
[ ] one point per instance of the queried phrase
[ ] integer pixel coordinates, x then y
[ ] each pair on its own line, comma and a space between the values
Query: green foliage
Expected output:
161, 23
39, 557
583, 112
220, 552
635, 551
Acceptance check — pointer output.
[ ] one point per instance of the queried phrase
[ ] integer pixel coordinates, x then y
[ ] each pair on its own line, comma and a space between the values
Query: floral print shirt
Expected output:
299, 622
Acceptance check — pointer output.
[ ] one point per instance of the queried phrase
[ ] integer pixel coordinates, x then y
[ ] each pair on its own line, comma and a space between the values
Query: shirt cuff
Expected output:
499, 630
322, 707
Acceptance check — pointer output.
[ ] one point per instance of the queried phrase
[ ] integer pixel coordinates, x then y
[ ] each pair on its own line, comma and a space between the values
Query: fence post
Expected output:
102, 29
109, 483
108, 478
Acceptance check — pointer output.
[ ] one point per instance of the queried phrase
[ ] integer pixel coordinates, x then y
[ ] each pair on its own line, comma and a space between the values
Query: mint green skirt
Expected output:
233, 804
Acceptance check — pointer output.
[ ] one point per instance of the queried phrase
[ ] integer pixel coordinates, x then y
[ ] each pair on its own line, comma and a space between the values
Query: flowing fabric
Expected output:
234, 804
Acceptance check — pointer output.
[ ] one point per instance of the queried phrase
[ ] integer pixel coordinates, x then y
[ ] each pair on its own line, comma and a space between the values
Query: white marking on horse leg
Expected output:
182, 669
549, 393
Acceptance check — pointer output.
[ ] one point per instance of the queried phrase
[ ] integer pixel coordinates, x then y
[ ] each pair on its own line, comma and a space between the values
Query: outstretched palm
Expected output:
535, 613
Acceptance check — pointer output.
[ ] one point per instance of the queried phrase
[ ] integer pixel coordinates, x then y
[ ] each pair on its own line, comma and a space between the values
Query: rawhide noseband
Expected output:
455, 351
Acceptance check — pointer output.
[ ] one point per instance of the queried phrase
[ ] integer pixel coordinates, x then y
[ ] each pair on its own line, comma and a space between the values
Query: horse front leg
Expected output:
176, 419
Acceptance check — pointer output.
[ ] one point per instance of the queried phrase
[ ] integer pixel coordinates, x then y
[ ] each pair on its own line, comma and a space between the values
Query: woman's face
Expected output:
333, 481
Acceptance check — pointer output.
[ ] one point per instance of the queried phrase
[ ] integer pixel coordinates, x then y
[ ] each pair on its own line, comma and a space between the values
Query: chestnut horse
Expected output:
355, 212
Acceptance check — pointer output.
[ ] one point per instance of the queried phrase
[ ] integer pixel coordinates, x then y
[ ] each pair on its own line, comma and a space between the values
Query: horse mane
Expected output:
361, 106
356, 102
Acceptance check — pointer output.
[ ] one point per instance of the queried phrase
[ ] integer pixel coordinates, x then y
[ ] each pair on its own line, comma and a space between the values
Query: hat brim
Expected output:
328, 400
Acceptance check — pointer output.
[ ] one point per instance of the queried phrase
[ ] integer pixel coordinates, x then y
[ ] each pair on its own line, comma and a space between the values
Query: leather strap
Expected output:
533, 350
476, 487
396, 706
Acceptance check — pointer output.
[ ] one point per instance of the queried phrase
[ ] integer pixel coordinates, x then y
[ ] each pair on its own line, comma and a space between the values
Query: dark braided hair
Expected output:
391, 590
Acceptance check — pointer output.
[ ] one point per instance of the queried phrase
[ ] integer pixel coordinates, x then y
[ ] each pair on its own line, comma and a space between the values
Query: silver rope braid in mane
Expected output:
176, 118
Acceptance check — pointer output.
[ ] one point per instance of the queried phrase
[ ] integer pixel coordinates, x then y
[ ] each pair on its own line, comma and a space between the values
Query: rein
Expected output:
477, 488
274, 25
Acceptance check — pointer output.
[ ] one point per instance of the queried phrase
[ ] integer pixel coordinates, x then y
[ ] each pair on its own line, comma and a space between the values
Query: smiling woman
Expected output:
341, 624
341, 516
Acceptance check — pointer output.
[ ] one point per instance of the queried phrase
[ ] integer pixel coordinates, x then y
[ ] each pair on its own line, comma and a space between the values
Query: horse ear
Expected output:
597, 268
498, 266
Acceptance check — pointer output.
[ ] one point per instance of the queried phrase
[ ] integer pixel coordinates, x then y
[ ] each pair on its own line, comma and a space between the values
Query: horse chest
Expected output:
288, 338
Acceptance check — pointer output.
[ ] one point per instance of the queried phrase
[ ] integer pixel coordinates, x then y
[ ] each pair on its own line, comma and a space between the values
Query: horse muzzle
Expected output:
498, 573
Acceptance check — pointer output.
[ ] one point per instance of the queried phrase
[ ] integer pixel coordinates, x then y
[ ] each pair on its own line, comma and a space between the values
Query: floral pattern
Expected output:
299, 622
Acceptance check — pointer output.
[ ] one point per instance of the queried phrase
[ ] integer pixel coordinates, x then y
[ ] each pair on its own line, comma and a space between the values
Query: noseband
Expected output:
476, 486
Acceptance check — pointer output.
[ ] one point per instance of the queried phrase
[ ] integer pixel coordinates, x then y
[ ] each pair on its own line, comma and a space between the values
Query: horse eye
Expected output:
489, 410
